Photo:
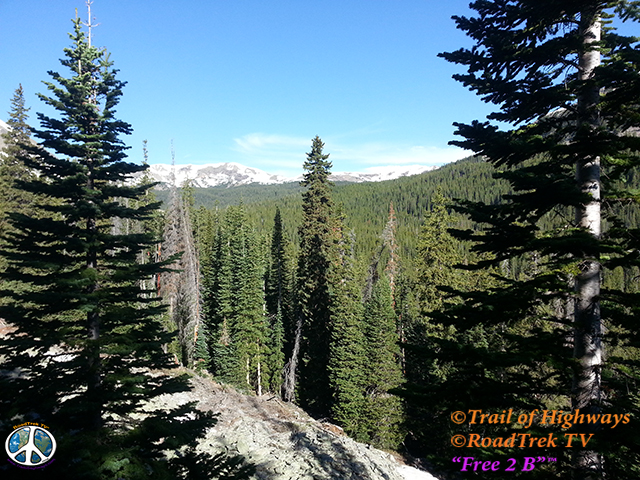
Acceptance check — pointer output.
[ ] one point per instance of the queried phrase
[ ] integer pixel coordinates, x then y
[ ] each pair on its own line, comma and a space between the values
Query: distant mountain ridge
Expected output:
234, 174
212, 175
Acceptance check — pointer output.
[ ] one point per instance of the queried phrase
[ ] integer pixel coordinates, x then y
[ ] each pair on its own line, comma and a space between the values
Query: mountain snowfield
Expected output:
234, 174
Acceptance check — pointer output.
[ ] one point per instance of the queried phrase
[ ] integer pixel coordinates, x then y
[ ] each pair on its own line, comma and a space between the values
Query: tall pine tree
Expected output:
347, 362
279, 297
438, 254
317, 242
87, 336
12, 168
235, 305
383, 411
569, 88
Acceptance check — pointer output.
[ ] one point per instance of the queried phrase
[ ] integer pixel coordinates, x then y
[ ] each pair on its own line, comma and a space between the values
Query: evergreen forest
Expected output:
417, 314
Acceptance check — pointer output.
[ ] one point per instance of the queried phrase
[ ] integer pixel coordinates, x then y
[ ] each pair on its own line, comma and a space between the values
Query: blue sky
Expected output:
253, 81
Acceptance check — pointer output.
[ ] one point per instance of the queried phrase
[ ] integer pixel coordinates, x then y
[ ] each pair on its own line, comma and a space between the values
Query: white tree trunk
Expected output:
259, 379
588, 350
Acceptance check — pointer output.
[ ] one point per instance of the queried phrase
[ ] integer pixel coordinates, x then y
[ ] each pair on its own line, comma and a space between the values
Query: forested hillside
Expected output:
366, 205
482, 316
398, 253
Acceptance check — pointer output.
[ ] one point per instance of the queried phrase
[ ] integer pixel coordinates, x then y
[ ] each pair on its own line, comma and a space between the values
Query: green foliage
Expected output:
508, 344
279, 302
202, 357
346, 364
317, 249
12, 169
366, 204
234, 305
438, 255
276, 357
383, 411
14, 199
86, 353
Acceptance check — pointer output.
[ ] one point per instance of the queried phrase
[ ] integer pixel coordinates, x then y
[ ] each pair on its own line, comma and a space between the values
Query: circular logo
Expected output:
458, 417
458, 441
30, 446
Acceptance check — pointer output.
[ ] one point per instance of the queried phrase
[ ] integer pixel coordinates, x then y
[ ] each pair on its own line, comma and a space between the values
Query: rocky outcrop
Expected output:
281, 440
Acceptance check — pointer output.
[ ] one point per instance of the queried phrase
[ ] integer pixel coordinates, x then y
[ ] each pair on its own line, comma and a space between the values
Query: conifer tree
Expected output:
317, 242
13, 199
275, 347
383, 410
251, 322
239, 341
389, 239
12, 169
346, 367
154, 225
279, 302
218, 305
438, 254
89, 329
330, 311
568, 87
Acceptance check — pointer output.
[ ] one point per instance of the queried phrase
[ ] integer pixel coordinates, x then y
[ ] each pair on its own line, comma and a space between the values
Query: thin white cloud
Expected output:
277, 154
284, 155
257, 142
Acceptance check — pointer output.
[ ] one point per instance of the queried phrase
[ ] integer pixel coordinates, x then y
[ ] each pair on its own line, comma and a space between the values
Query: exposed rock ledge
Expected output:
282, 441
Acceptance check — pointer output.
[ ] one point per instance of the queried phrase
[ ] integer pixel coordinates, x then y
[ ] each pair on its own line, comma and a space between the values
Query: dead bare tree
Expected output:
181, 287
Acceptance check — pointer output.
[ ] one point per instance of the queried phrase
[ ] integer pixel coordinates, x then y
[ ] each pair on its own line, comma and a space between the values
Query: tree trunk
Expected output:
259, 379
94, 367
588, 350
289, 385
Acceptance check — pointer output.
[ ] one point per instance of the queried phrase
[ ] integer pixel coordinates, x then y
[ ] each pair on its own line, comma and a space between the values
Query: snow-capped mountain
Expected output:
378, 174
212, 175
234, 174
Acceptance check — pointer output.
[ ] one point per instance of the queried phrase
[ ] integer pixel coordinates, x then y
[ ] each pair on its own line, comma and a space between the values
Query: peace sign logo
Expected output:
30, 446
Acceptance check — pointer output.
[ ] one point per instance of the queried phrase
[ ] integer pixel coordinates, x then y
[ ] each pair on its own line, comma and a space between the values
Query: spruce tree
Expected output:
87, 336
279, 302
568, 87
154, 225
438, 254
347, 362
239, 340
218, 306
12, 198
383, 410
317, 242
330, 311
389, 239
12, 169
250, 329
